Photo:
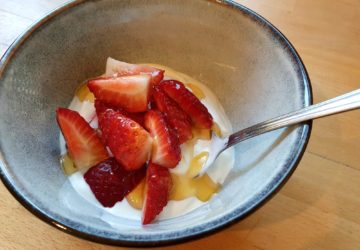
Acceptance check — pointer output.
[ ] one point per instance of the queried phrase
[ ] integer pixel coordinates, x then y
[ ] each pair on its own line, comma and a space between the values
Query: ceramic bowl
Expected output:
251, 67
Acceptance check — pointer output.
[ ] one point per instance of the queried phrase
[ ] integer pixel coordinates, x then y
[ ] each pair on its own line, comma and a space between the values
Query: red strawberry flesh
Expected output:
129, 142
101, 107
130, 93
166, 149
158, 187
110, 182
175, 116
118, 68
188, 102
83, 143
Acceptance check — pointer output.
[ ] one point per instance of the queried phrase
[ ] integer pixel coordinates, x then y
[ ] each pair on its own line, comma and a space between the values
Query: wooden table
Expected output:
319, 208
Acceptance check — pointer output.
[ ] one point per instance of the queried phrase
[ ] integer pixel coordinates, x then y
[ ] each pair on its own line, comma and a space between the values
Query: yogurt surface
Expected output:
174, 208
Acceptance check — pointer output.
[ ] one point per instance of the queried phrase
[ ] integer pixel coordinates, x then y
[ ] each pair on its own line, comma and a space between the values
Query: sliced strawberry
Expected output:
166, 149
103, 124
175, 116
158, 187
128, 92
110, 182
118, 68
101, 107
188, 102
128, 141
83, 143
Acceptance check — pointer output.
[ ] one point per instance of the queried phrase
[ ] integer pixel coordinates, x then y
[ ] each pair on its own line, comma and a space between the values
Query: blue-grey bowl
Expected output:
251, 67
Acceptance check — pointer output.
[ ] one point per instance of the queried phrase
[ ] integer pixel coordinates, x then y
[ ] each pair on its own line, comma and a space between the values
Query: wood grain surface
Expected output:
319, 208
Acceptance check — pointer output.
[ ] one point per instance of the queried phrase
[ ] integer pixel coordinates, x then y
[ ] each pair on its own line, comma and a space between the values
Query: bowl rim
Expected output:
226, 221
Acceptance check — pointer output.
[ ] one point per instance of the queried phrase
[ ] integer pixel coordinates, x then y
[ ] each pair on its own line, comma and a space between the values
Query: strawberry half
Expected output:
188, 102
118, 68
110, 182
101, 107
128, 92
83, 143
166, 149
128, 141
175, 116
157, 190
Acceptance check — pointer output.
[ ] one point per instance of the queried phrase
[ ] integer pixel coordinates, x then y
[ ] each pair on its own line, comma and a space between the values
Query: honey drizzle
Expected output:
197, 91
215, 127
83, 93
67, 164
136, 196
196, 164
185, 186
203, 134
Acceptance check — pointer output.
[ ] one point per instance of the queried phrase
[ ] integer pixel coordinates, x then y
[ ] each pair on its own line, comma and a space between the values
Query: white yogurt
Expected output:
217, 173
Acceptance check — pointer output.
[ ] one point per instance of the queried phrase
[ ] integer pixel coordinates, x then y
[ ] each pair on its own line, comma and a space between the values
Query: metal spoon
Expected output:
336, 105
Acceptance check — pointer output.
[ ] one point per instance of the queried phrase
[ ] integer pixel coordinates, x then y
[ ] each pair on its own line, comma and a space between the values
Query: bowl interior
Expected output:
248, 65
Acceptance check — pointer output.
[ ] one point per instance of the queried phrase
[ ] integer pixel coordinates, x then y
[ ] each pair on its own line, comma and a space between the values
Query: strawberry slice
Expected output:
188, 102
83, 143
110, 182
128, 141
175, 116
118, 68
166, 149
101, 107
128, 92
158, 187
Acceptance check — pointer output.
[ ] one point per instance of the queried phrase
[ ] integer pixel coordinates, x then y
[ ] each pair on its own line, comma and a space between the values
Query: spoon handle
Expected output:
338, 104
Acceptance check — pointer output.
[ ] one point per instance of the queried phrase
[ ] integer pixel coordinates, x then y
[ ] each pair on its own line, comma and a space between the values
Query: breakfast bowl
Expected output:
244, 60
